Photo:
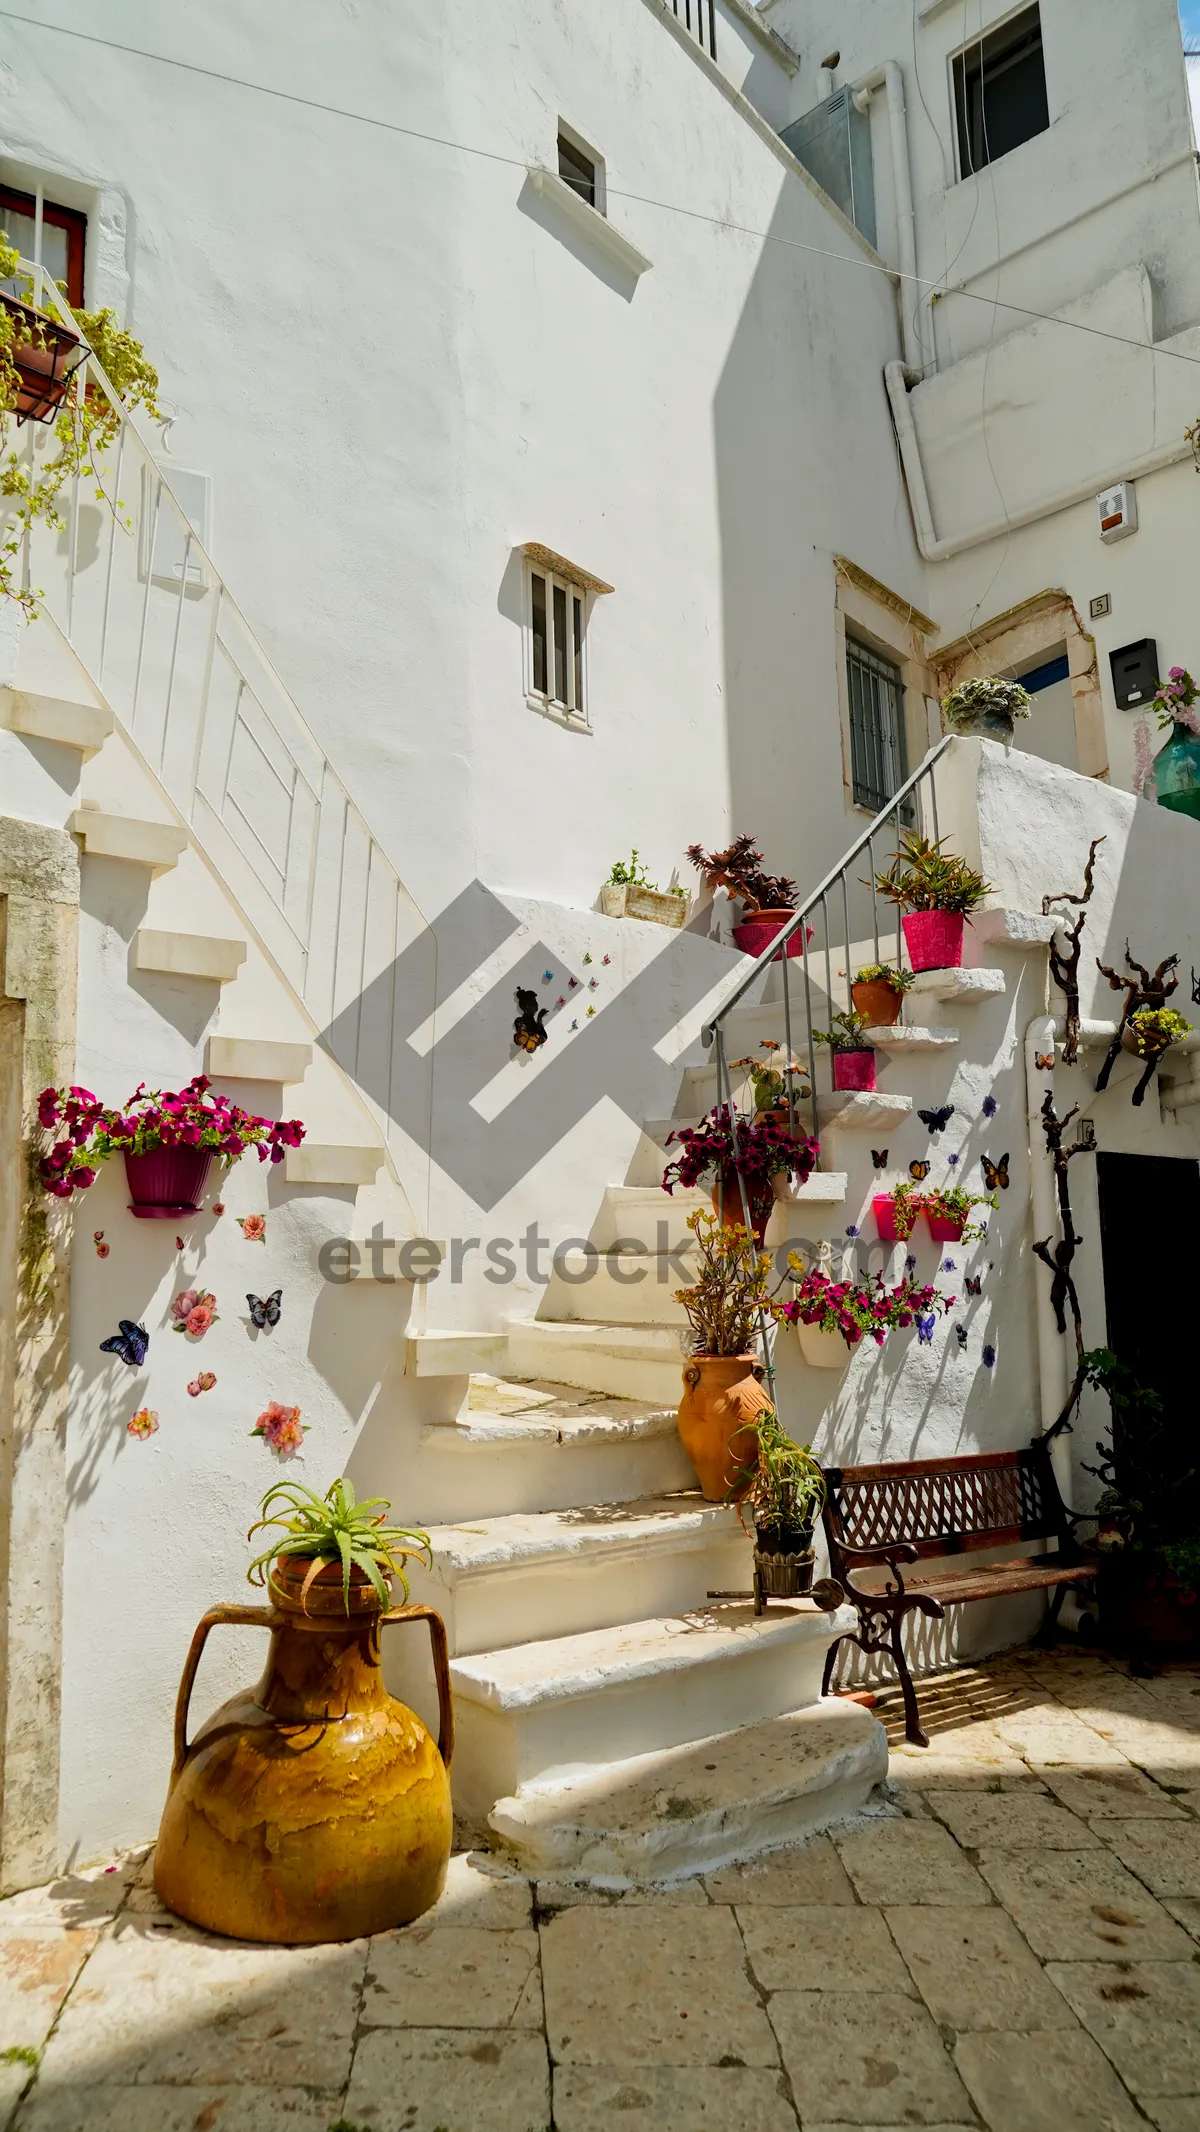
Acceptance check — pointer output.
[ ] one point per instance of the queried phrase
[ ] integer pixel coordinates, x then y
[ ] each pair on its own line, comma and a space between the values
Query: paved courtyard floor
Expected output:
1012, 1941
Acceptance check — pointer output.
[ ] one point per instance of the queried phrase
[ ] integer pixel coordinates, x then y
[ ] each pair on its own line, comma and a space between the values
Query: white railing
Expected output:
147, 613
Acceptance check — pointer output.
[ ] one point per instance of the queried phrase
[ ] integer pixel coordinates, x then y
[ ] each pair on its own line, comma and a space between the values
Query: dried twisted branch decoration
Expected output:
1059, 1257
1064, 962
1141, 991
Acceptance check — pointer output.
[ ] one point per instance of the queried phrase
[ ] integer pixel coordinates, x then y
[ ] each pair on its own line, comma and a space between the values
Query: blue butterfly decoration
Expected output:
130, 1343
925, 1327
547, 977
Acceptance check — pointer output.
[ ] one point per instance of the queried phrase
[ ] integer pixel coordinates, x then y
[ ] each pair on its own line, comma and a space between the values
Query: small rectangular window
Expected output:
557, 629
64, 235
576, 170
878, 755
1000, 92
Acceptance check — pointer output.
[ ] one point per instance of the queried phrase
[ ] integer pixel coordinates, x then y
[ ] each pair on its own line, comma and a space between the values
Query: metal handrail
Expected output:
713, 1031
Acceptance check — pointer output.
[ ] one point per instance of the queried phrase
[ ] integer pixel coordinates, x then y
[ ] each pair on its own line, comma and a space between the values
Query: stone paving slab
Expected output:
670, 1984
1181, 2116
1146, 2017
36, 1973
814, 1874
1044, 2083
452, 1976
974, 1970
672, 2098
1112, 1794
448, 2080
834, 1949
1165, 1857
881, 2061
172, 2109
1018, 1822
905, 1861
1082, 1906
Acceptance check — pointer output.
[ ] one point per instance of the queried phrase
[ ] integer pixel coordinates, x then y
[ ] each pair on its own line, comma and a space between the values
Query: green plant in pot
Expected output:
937, 892
987, 707
729, 1154
785, 1490
630, 893
1148, 1514
726, 1308
877, 993
313, 1806
853, 1058
768, 900
774, 1082
1152, 1030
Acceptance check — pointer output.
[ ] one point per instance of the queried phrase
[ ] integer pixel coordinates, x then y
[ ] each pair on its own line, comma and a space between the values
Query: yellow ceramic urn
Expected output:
314, 1806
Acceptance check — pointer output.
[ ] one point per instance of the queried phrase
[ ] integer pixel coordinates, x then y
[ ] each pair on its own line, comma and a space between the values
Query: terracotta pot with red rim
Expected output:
722, 1400
885, 1219
877, 1001
945, 1229
166, 1182
934, 939
45, 356
854, 1069
727, 1204
759, 928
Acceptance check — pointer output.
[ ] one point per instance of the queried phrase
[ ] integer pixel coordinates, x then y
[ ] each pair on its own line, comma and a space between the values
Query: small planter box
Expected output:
945, 1228
822, 1350
655, 905
854, 1070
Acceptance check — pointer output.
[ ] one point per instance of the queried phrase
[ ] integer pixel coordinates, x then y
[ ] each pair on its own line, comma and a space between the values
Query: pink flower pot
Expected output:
934, 939
854, 1069
885, 1218
943, 1230
166, 1182
754, 935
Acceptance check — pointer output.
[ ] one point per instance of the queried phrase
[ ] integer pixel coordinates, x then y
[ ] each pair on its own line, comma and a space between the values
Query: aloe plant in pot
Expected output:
937, 892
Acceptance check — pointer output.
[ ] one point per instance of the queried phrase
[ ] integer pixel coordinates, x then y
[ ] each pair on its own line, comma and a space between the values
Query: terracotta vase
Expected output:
877, 1001
312, 1807
934, 939
727, 1204
167, 1182
722, 1400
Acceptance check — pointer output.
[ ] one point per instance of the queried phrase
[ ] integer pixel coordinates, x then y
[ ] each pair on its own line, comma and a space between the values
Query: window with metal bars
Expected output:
878, 756
1000, 92
557, 625
699, 16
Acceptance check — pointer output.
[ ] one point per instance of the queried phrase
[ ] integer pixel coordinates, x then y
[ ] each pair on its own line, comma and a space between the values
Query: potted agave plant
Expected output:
937, 893
986, 707
169, 1142
630, 893
768, 900
726, 1152
877, 994
853, 1060
723, 1395
784, 1492
313, 1807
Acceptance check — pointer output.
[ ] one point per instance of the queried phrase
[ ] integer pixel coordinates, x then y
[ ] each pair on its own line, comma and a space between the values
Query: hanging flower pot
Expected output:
757, 930
945, 1228
166, 1182
854, 1070
934, 939
45, 356
890, 1228
825, 1350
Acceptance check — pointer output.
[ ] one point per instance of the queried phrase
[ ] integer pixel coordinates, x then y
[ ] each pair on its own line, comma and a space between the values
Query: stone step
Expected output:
562, 1454
188, 955
899, 1037
156, 845
326, 1162
963, 988
250, 1058
453, 1354
631, 1361
698, 1807
862, 1111
74, 724
622, 1288
637, 1213
541, 1712
524, 1577
1010, 929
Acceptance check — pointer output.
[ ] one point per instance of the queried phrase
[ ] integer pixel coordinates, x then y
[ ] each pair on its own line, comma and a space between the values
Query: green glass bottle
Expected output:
1177, 773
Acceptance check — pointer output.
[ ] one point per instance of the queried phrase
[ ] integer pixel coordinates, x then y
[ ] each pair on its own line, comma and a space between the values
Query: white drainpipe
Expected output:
937, 551
890, 78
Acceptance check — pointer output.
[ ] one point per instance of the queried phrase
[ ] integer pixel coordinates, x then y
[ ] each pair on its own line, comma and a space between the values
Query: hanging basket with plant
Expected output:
169, 1142
1150, 1031
839, 1315
986, 706
937, 893
726, 1152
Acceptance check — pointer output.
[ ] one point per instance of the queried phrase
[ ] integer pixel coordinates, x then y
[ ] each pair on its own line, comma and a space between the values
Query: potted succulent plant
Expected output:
312, 1807
169, 1142
1152, 1030
772, 1081
723, 1395
630, 893
784, 1492
768, 900
726, 1150
853, 1061
937, 893
1149, 1516
987, 707
877, 994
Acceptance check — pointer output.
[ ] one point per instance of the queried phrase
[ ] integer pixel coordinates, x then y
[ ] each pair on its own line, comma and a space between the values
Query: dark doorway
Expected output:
1149, 1218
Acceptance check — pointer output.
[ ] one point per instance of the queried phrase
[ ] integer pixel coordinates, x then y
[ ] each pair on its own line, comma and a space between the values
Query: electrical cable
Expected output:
614, 192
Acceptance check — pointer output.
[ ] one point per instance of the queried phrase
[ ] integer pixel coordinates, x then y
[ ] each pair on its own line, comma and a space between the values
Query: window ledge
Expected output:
557, 712
588, 219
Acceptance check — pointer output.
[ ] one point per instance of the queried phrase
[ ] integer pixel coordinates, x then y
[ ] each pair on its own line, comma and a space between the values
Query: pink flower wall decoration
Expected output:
253, 1227
280, 1429
144, 1424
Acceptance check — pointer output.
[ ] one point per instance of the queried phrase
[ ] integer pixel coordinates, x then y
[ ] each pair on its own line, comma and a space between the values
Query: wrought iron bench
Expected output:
926, 1508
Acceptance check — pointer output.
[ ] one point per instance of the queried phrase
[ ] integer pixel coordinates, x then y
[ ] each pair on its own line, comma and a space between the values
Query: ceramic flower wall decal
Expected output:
143, 1424
281, 1430
193, 1311
203, 1383
253, 1227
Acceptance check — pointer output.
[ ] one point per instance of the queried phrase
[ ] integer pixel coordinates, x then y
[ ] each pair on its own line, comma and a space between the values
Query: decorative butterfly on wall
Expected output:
547, 977
974, 1284
995, 1174
937, 1120
265, 1311
879, 1156
960, 1332
1045, 1061
918, 1171
529, 1029
130, 1343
